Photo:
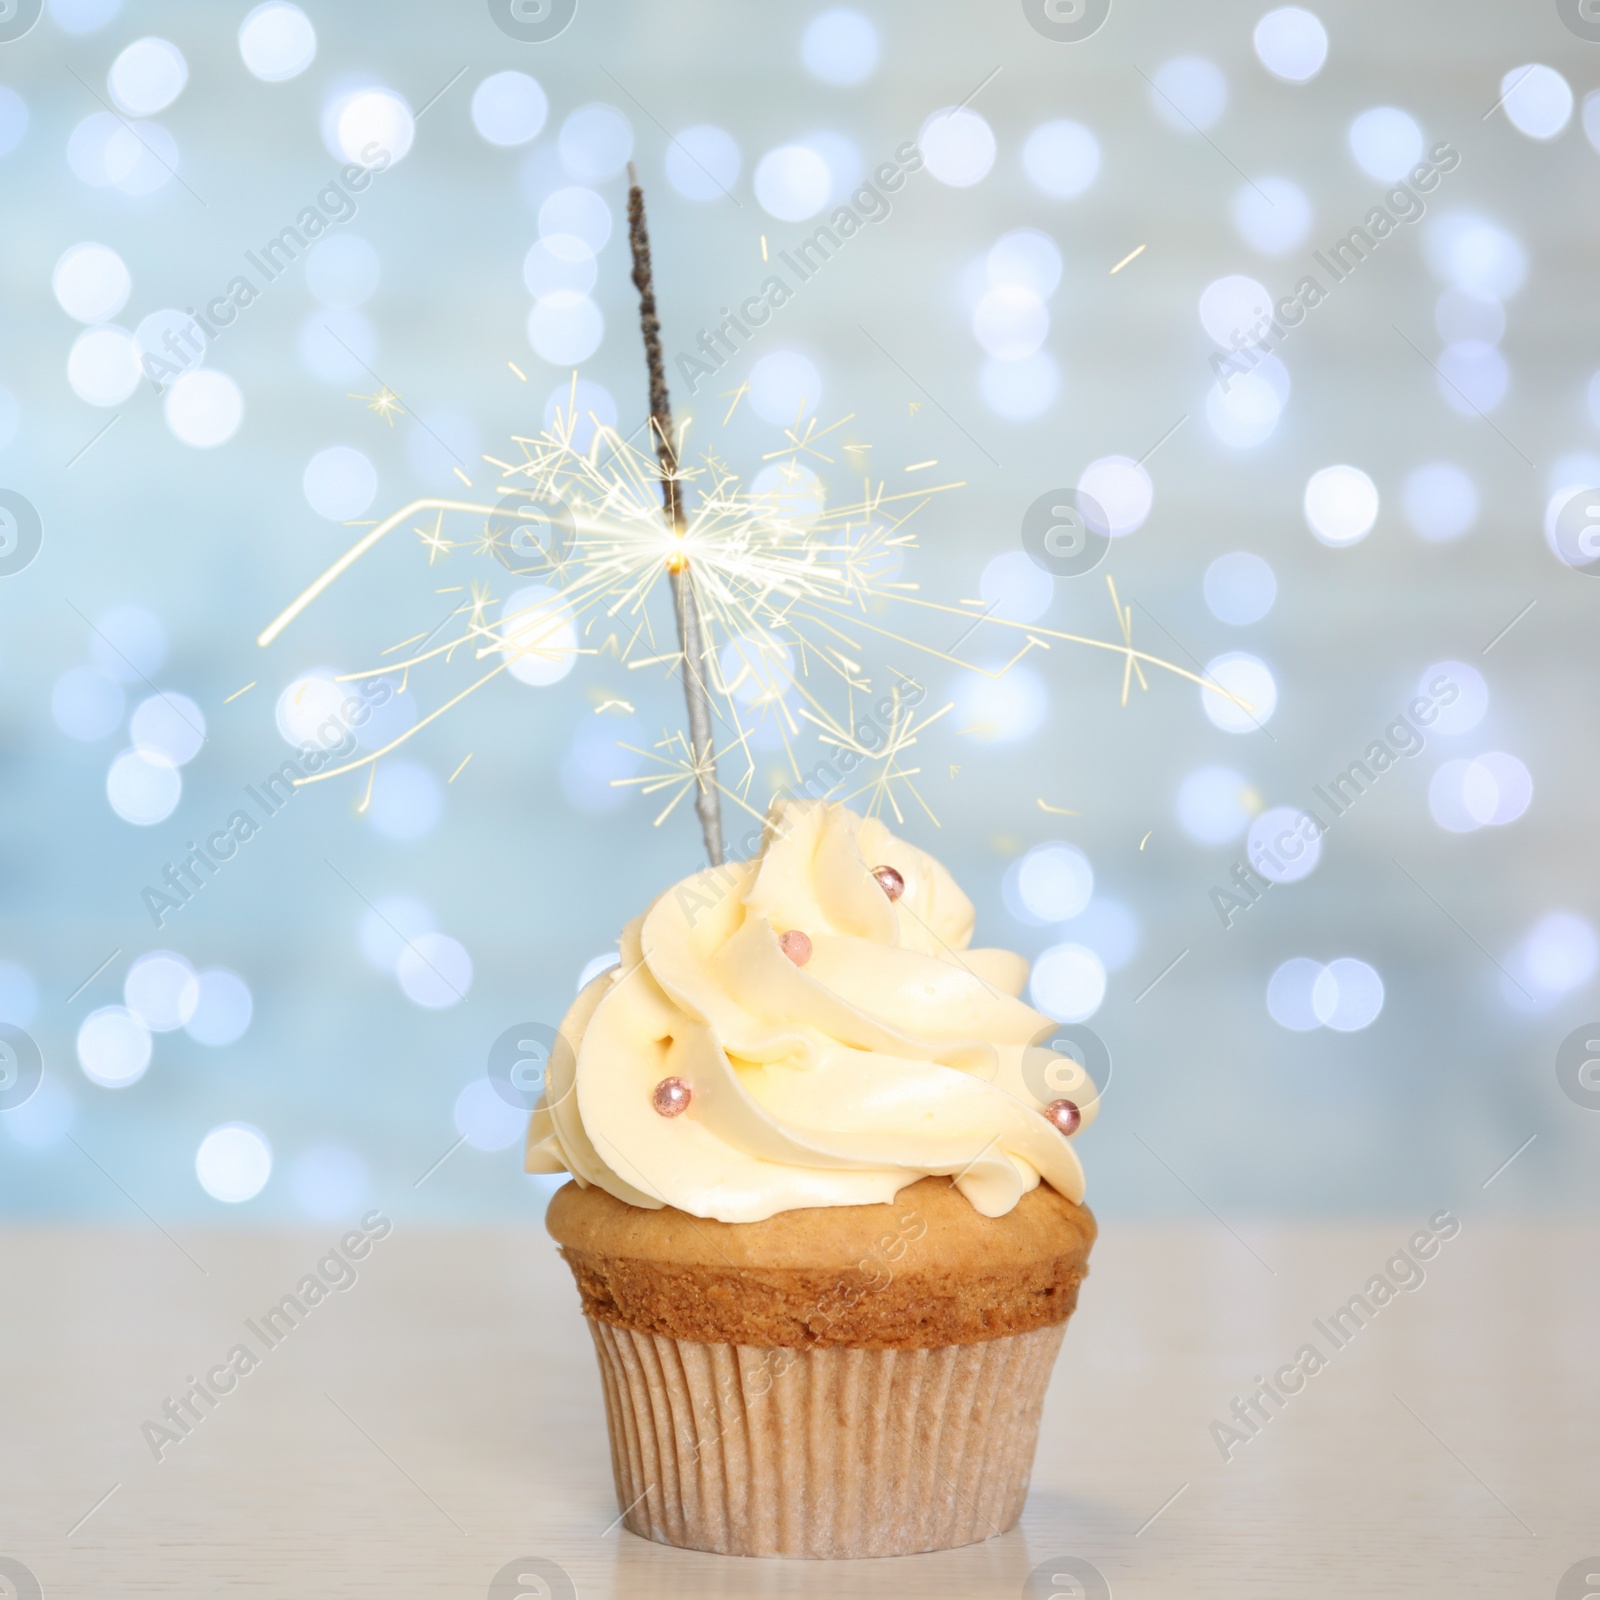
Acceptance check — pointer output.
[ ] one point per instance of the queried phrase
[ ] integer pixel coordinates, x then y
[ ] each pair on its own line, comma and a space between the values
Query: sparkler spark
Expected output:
796, 598
386, 403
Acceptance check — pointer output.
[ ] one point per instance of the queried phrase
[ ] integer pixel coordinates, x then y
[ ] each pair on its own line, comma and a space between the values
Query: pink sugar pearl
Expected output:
671, 1097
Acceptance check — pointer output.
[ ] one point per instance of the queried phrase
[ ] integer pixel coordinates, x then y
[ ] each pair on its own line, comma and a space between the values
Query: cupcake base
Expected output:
825, 1452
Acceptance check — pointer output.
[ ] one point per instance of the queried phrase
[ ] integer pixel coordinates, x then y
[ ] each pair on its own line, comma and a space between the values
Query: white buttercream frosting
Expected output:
895, 1053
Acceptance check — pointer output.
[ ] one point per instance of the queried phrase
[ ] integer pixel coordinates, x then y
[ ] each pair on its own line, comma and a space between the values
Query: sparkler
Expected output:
778, 600
686, 609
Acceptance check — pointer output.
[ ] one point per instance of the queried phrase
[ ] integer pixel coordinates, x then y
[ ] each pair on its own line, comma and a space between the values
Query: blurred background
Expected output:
1069, 293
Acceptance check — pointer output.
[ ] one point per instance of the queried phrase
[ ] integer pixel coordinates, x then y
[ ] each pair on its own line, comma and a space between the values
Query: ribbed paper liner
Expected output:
832, 1452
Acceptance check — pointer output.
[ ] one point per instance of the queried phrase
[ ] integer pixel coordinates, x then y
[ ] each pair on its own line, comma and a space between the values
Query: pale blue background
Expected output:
1412, 1113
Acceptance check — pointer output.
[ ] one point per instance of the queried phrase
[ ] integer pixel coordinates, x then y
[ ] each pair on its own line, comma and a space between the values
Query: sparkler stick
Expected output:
707, 803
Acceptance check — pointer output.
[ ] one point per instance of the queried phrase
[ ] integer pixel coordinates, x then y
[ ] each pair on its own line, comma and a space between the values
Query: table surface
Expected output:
442, 1417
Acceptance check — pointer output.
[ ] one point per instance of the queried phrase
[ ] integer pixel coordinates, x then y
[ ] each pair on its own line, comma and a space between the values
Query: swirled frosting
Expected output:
896, 1052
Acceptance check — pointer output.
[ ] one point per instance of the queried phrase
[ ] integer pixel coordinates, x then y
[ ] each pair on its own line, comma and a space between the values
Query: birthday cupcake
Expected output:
825, 1225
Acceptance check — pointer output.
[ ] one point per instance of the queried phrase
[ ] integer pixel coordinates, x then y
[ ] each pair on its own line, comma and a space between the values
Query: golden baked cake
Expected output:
826, 1220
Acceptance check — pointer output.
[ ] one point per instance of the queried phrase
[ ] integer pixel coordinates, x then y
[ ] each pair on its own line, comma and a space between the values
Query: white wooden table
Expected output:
442, 1418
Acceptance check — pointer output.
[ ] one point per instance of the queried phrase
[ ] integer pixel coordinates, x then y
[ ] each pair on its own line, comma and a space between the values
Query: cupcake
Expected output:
826, 1218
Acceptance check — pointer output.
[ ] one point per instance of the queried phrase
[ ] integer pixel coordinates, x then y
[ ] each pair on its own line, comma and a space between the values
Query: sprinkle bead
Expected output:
671, 1097
890, 881
1064, 1116
796, 945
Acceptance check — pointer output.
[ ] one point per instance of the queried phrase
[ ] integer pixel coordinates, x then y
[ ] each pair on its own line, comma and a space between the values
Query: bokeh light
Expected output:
434, 971
1062, 158
509, 109
1490, 790
128, 643
222, 1013
1235, 310
1341, 505
1122, 489
86, 703
1289, 993
1015, 587
840, 46
204, 408
1272, 215
958, 146
407, 800
339, 483
91, 282
114, 1047
161, 990
596, 142
1068, 982
1051, 883
1025, 258
1347, 995
387, 925
329, 1182
13, 120
1471, 701
1538, 100
1214, 805
1559, 954
338, 346
1240, 588
277, 41
1472, 377
1476, 255
1020, 390
143, 787
1440, 501
1459, 314
1386, 142
43, 1119
595, 965
541, 638
1283, 844
565, 328
169, 724
792, 182
1250, 679
372, 125
342, 270
1242, 409
234, 1162
703, 162
1291, 43
103, 366
1108, 928
1189, 93
310, 710
485, 1120
1010, 322
578, 407
579, 213
147, 76
784, 387
1002, 709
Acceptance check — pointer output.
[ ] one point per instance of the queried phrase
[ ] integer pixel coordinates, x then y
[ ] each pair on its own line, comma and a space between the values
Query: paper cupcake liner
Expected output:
835, 1452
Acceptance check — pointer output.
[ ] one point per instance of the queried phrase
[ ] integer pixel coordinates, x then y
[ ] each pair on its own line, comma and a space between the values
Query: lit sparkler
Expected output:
778, 602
